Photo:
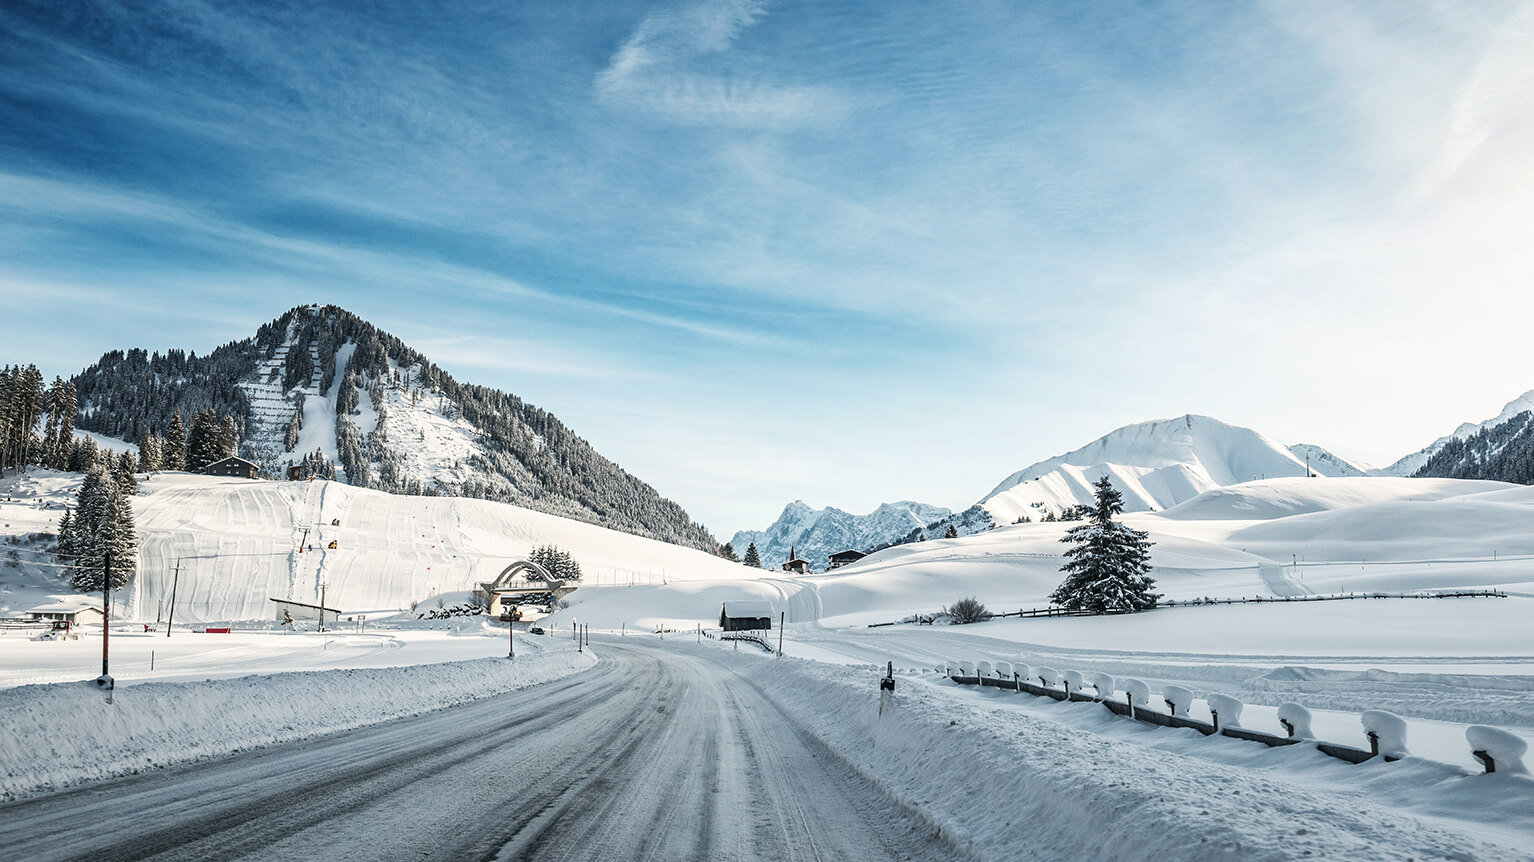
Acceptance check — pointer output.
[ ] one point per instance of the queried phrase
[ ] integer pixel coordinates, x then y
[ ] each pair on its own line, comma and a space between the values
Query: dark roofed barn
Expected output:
842, 558
745, 616
234, 465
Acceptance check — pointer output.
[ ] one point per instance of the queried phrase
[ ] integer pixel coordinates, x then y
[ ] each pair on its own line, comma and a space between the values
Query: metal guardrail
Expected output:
1163, 719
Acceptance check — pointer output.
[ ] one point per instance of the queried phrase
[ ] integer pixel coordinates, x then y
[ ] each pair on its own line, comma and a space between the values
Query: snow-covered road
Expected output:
653, 754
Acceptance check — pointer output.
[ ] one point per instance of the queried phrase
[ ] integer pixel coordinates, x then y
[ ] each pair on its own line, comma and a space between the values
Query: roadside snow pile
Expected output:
62, 734
1003, 784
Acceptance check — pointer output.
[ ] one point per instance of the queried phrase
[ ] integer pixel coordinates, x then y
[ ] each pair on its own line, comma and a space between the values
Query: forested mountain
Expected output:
323, 389
1417, 462
1504, 452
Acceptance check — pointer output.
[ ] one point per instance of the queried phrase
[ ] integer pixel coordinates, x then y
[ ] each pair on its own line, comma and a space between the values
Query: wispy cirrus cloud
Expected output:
669, 68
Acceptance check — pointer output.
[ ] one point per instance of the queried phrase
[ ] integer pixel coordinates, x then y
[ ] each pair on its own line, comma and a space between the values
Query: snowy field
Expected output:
1441, 663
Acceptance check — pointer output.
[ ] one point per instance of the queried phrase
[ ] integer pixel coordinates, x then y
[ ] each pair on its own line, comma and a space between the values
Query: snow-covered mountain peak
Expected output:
325, 391
817, 533
1156, 465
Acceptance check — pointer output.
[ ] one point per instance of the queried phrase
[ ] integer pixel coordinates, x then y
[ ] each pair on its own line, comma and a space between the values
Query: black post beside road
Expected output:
106, 610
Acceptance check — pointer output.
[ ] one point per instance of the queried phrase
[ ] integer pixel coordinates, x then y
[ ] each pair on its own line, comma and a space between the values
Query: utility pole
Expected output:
511, 640
781, 617
322, 605
176, 582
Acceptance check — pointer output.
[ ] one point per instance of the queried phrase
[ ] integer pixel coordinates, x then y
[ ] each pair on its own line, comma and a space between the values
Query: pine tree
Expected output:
82, 454
951, 533
103, 529
151, 453
175, 443
66, 543
64, 403
753, 559
727, 551
559, 563
1107, 568
51, 455
228, 439
202, 442
122, 473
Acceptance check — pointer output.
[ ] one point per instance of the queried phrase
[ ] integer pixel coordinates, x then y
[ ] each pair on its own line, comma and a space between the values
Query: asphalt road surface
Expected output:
651, 755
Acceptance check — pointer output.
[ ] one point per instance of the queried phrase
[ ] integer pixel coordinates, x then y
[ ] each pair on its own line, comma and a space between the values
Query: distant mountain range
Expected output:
323, 388
817, 533
1159, 464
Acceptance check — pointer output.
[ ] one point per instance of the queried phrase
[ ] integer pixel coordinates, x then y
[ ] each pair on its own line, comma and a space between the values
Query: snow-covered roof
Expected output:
233, 458
747, 609
61, 608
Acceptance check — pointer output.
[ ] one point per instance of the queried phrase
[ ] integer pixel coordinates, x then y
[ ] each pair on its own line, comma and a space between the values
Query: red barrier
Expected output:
217, 631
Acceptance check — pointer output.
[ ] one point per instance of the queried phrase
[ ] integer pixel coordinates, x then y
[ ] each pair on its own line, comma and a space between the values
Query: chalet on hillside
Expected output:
234, 465
843, 558
65, 612
744, 616
796, 566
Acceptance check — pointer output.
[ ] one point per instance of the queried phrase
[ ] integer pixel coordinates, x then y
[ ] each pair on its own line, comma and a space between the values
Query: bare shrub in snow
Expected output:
967, 610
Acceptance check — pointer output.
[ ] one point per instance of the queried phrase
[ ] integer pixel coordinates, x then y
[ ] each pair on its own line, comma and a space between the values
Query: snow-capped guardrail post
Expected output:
1296, 720
1225, 709
888, 683
1105, 685
1497, 749
1386, 732
1137, 692
1073, 682
1177, 698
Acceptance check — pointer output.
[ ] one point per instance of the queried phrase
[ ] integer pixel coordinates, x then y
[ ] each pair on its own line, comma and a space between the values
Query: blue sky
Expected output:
841, 252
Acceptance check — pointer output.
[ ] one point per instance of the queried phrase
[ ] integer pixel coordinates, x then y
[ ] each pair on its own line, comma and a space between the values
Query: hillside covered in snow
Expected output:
1156, 465
323, 388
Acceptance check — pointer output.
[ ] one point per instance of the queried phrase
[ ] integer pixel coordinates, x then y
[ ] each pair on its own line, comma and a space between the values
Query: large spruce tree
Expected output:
1107, 568
753, 559
102, 532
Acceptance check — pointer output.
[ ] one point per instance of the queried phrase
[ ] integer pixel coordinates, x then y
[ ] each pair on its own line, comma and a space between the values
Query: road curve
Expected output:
651, 755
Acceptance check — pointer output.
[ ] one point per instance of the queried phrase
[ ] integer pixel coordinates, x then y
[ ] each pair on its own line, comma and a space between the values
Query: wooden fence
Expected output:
927, 619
